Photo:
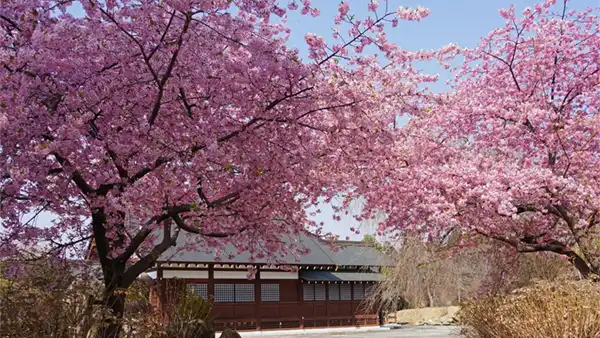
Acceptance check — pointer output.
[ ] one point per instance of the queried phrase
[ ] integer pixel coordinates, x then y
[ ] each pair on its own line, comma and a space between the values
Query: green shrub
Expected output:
190, 317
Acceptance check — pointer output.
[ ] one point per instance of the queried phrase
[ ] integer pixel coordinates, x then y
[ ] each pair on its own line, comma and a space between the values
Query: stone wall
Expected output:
424, 316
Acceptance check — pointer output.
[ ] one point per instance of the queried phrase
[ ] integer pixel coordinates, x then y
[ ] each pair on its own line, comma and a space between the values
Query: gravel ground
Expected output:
404, 332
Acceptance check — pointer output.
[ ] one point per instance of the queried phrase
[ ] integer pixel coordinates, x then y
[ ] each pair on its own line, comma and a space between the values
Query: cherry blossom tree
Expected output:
142, 119
512, 152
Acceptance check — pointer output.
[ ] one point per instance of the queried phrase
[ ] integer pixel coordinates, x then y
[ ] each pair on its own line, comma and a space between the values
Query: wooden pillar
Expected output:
327, 302
314, 302
352, 301
257, 298
301, 301
211, 280
160, 290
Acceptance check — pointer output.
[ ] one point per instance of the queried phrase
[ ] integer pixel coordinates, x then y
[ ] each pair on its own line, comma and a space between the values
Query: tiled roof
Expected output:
320, 253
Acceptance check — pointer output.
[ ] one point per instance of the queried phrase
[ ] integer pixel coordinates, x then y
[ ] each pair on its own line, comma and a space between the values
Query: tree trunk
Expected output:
115, 302
582, 266
116, 277
429, 296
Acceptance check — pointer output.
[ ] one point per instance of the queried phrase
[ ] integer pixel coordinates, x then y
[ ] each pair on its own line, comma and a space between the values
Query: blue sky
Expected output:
462, 22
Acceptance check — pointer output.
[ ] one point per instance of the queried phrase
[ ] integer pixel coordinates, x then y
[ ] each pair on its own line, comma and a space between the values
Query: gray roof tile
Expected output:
320, 253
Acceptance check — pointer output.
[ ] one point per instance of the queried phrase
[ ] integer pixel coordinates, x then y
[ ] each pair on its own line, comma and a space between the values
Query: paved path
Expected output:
404, 332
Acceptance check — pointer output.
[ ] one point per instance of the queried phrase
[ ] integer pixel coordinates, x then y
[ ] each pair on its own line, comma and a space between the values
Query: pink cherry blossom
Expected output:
293, 5
373, 4
415, 14
512, 152
343, 9
139, 122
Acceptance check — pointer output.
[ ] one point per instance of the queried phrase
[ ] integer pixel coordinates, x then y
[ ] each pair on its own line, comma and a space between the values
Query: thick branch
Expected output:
10, 22
103, 189
76, 176
521, 208
564, 214
115, 159
102, 246
181, 224
146, 262
172, 212
146, 170
140, 237
553, 246
162, 37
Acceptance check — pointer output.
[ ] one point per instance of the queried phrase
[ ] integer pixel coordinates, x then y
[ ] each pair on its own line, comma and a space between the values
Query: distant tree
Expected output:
512, 153
371, 239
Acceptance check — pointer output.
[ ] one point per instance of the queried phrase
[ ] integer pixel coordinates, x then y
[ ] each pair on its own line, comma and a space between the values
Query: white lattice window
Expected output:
334, 292
200, 290
269, 292
244, 293
320, 292
308, 291
359, 291
224, 293
345, 292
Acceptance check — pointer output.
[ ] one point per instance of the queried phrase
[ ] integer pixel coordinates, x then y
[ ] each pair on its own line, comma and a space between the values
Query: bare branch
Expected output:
59, 246
188, 106
356, 38
219, 33
162, 38
510, 68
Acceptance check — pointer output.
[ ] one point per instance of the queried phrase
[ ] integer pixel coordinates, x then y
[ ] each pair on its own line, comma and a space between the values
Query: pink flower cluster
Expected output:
415, 14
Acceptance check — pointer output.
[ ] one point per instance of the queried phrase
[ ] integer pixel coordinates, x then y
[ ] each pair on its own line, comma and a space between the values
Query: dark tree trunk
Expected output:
586, 271
115, 302
117, 278
113, 271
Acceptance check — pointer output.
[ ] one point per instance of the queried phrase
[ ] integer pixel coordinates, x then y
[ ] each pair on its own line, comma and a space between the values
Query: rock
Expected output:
447, 320
228, 333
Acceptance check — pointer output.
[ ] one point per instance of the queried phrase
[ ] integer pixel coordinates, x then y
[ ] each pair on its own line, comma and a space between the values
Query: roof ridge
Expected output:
347, 242
320, 242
